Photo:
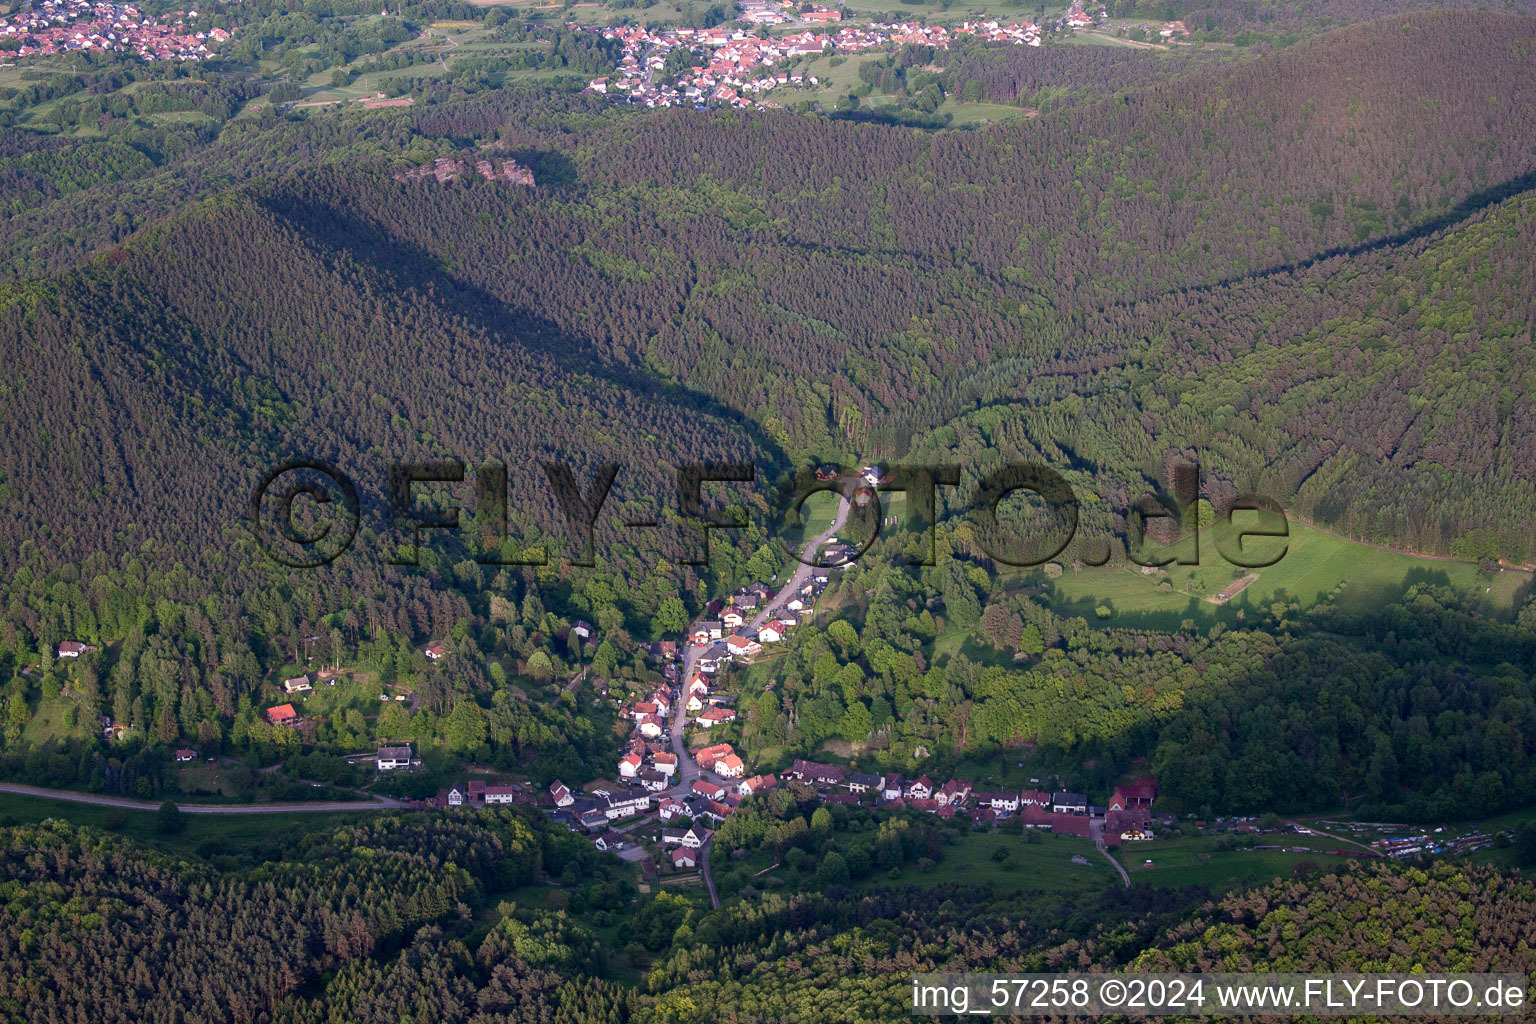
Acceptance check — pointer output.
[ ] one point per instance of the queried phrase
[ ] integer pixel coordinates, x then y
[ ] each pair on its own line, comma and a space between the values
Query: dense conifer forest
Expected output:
1301, 260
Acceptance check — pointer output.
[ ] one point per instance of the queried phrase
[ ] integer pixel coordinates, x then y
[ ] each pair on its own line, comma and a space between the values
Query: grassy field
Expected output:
1316, 567
1044, 865
1028, 867
1196, 861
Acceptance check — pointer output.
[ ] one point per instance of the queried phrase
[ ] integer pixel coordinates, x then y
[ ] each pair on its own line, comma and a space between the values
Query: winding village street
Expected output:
687, 768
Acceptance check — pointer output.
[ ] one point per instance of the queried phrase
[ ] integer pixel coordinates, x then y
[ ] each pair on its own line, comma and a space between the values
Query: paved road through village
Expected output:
687, 768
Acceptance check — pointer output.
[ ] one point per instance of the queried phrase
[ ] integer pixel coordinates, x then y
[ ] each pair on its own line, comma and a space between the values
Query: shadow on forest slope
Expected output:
1469, 207
410, 267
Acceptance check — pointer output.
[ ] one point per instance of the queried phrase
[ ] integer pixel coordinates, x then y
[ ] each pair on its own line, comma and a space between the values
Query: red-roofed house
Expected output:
716, 716
772, 633
707, 756
730, 766
283, 714
757, 784
741, 647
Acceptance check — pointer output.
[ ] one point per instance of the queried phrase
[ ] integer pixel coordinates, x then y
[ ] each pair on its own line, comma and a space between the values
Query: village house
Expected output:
715, 715
1069, 803
629, 765
1034, 798
1002, 801
283, 714
953, 793
772, 632
298, 684
662, 650
920, 788
683, 857
742, 647
813, 773
185, 754
651, 780
502, 794
860, 782
730, 767
893, 787
757, 784
1134, 823
650, 727
715, 811
670, 808
1138, 795
560, 794
665, 763
390, 758
708, 790
754, 595
610, 842
623, 806
435, 652
708, 756
732, 617
71, 649
839, 556
710, 661
692, 837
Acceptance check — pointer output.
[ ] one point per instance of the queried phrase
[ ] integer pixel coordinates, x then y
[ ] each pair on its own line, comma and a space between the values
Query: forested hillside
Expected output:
1307, 270
844, 286
393, 925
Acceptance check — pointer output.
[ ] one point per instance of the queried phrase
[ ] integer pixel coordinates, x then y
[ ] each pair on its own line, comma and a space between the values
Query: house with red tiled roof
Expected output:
283, 714
707, 756
708, 790
757, 784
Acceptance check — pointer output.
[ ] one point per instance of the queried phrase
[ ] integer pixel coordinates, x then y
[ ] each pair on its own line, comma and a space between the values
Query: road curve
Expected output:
69, 796
1096, 833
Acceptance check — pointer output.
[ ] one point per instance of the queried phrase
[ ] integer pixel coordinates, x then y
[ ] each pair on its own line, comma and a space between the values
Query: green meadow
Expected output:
1313, 568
